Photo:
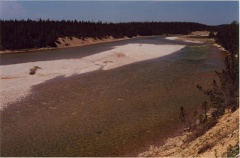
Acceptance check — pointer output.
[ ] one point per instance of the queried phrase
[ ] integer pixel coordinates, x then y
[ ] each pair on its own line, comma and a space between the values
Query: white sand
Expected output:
185, 39
16, 82
171, 38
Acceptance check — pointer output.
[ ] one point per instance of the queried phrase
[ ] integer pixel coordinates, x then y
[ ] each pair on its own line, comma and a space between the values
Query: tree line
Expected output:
21, 34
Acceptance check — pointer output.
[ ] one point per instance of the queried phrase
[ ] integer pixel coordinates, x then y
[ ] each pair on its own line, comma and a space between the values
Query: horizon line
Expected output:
110, 22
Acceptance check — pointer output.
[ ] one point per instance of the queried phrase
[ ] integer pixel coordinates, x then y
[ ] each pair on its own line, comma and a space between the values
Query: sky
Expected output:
205, 12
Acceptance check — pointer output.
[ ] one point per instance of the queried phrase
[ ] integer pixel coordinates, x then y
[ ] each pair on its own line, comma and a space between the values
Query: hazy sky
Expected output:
205, 12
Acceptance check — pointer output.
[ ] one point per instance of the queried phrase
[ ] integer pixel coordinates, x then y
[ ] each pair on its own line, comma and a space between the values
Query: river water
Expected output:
77, 52
119, 112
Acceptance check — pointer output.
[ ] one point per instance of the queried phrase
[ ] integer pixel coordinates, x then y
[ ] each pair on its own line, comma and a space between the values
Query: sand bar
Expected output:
16, 82
185, 39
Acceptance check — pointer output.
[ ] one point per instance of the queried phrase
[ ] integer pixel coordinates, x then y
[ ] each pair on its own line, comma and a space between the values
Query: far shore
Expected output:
68, 42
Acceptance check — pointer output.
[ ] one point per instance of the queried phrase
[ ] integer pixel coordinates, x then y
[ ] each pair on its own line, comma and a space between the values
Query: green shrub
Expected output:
232, 151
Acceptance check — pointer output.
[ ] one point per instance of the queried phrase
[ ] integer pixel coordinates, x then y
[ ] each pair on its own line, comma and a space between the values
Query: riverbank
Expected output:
198, 37
76, 42
16, 82
68, 42
216, 142
220, 141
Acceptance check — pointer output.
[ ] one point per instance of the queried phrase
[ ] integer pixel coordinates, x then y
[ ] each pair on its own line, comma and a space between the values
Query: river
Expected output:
118, 112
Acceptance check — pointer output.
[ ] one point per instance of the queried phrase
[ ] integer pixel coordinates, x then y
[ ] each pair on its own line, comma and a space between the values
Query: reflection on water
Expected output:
117, 112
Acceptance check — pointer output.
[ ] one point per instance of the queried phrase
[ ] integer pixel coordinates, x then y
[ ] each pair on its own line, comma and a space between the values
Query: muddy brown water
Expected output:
119, 112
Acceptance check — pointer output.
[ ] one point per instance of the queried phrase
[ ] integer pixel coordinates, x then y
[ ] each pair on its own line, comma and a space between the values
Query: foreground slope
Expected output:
214, 143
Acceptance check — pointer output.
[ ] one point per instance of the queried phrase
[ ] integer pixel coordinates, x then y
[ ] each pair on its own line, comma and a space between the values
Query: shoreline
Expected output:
122, 103
16, 83
88, 41
70, 42
213, 143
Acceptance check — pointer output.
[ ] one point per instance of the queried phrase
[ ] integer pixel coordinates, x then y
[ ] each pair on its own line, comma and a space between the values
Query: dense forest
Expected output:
228, 37
20, 34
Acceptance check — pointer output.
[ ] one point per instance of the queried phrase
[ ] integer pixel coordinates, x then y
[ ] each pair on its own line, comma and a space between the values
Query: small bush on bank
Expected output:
232, 151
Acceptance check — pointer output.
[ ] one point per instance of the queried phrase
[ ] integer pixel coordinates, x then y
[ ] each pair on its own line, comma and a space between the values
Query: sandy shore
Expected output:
16, 82
185, 39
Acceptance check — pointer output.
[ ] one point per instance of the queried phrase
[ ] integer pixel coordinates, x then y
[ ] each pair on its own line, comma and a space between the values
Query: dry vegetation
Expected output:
216, 142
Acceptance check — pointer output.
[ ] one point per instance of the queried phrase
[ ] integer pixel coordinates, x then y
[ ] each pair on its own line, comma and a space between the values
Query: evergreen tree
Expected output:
21, 34
226, 93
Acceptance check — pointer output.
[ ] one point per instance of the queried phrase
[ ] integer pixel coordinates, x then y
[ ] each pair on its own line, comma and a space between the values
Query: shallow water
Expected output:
117, 112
